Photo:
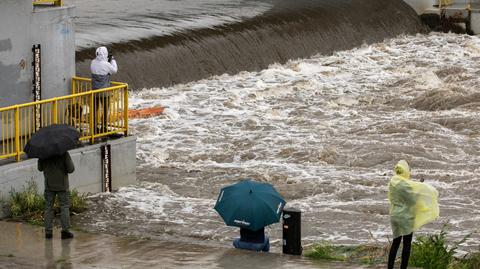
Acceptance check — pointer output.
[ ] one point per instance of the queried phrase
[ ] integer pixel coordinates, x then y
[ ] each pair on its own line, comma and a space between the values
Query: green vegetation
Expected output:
365, 254
429, 252
471, 261
78, 202
432, 251
28, 205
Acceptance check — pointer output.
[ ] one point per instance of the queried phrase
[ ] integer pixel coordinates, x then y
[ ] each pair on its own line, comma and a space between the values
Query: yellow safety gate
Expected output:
94, 114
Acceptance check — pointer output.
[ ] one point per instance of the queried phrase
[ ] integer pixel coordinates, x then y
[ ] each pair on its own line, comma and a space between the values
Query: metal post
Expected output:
17, 133
92, 114
55, 109
125, 109
74, 90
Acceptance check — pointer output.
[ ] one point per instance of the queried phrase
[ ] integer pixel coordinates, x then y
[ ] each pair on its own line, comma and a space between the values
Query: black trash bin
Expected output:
292, 232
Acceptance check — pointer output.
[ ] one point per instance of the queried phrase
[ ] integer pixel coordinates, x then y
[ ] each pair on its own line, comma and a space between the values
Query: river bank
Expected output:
23, 246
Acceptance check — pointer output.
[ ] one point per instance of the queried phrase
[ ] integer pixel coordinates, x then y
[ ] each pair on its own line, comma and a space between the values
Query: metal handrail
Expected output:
51, 2
94, 113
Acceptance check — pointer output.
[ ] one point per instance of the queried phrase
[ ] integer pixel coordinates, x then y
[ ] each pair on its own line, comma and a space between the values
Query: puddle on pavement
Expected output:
23, 246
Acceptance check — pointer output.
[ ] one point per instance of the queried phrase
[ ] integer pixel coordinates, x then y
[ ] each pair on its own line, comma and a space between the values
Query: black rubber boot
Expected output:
48, 234
67, 235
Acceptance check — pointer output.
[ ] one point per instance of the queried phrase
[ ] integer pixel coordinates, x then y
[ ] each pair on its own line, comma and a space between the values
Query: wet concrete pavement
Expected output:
23, 246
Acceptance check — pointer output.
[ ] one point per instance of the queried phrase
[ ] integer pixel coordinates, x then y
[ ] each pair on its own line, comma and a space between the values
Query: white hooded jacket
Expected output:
101, 69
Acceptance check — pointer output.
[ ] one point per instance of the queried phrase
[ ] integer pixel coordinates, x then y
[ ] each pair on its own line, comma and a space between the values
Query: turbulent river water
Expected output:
326, 131
162, 42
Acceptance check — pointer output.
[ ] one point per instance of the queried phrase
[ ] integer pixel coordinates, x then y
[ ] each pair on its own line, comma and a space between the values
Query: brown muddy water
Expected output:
325, 131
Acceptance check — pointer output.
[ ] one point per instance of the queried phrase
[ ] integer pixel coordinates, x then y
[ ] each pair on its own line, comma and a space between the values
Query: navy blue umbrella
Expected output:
249, 204
52, 140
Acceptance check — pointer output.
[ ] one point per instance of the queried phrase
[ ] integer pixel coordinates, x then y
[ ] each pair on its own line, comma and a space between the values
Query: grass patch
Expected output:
428, 252
78, 202
434, 252
470, 261
28, 205
364, 254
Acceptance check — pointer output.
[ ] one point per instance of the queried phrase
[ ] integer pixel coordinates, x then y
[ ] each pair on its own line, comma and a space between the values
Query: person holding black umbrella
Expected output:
50, 145
55, 170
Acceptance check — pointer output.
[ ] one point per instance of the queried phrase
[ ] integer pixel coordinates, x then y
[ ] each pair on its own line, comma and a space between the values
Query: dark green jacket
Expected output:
56, 170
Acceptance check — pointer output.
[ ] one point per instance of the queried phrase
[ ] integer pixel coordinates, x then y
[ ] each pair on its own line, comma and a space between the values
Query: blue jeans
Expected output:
265, 246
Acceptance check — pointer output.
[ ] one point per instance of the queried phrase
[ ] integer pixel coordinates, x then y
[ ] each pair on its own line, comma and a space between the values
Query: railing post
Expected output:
73, 86
17, 133
125, 109
55, 111
92, 115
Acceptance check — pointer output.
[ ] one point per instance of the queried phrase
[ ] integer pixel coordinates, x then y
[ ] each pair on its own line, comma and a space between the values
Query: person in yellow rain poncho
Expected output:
412, 205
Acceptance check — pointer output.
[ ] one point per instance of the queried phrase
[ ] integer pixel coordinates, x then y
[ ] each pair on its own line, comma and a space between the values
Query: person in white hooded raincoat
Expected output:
412, 205
102, 67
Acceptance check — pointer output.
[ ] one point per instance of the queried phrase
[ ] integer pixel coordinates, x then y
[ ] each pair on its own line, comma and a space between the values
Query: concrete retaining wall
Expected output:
54, 31
88, 175
24, 26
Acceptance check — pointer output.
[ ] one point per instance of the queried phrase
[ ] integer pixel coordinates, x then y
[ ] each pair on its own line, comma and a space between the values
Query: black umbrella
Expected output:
51, 141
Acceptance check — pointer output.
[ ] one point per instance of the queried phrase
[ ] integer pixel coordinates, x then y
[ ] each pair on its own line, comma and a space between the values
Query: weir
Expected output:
290, 30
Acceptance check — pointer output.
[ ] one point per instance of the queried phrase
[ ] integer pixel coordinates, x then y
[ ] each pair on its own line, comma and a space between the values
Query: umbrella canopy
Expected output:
249, 204
51, 141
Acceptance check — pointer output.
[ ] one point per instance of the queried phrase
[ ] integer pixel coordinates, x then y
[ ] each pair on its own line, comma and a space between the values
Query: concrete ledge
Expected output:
88, 175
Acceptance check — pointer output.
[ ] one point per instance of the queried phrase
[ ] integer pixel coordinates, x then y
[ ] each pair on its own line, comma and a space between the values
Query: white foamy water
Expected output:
325, 131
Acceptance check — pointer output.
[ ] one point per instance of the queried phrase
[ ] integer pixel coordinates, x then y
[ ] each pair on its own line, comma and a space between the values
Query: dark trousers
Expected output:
264, 246
103, 100
407, 245
64, 197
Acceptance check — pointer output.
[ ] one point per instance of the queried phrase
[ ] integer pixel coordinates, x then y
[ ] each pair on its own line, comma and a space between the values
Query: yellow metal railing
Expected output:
94, 114
51, 2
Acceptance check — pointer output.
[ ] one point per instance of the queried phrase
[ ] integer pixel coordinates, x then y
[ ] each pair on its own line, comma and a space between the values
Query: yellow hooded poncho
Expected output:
412, 204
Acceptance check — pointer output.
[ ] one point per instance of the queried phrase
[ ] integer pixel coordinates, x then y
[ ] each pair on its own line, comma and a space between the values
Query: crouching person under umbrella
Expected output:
251, 206
55, 170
